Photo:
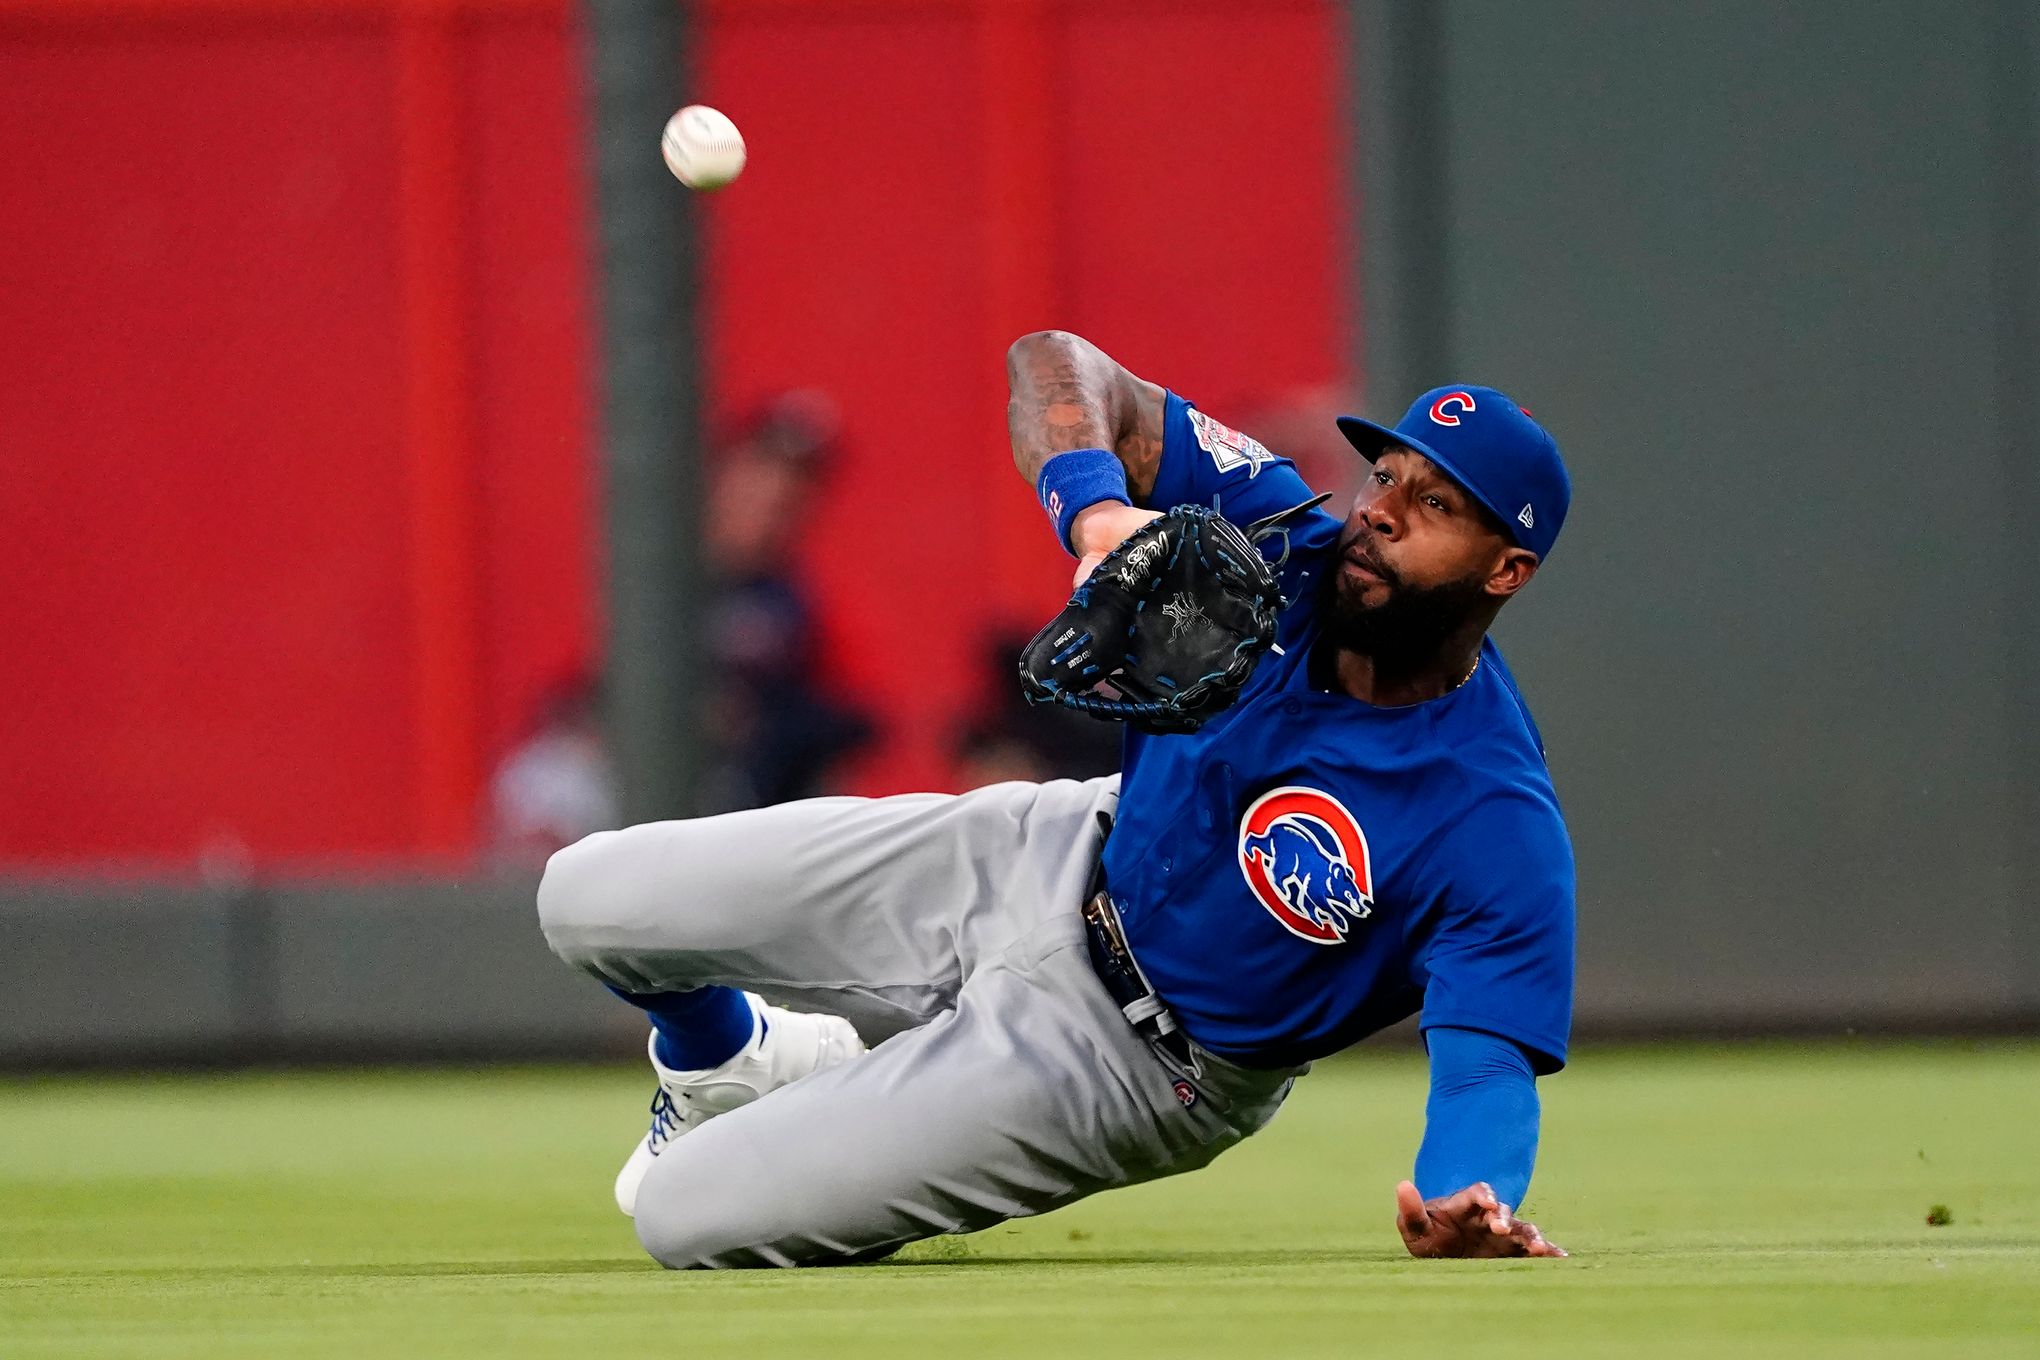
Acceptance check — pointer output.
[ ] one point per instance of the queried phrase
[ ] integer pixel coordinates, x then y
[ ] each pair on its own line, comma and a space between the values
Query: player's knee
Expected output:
572, 905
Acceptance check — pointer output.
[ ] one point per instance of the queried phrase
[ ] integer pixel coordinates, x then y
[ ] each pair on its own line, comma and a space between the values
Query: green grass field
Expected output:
1746, 1200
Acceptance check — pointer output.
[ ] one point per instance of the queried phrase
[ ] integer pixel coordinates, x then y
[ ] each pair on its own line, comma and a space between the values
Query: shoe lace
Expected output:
666, 1121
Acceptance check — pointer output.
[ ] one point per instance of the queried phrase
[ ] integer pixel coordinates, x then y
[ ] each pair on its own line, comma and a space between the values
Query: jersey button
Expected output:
1167, 864
1292, 707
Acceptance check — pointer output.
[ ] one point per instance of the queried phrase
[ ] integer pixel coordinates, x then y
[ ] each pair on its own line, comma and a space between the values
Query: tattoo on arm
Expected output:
1066, 393
1140, 440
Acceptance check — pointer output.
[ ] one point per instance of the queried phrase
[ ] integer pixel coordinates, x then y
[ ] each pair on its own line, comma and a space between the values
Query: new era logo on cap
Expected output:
1490, 445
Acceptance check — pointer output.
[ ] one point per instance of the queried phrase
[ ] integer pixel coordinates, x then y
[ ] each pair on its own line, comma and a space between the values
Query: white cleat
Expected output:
792, 1044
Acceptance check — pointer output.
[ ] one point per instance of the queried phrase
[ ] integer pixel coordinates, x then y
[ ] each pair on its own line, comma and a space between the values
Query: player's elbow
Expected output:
1037, 347
1035, 341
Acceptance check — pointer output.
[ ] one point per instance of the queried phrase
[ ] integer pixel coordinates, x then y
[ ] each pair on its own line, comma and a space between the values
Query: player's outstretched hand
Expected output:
1471, 1222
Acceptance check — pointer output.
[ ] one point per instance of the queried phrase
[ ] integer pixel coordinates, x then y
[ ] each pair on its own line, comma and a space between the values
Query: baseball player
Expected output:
877, 1020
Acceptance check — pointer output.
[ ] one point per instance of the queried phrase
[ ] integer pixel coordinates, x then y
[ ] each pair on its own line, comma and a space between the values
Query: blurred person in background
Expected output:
556, 785
775, 734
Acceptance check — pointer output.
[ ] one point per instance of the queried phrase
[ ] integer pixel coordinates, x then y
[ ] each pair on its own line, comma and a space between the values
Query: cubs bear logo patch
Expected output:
1305, 859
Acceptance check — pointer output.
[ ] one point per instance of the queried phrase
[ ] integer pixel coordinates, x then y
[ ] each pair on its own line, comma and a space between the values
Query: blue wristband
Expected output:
1075, 481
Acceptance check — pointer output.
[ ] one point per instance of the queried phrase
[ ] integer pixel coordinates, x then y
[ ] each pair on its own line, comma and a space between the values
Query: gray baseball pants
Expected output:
1003, 1080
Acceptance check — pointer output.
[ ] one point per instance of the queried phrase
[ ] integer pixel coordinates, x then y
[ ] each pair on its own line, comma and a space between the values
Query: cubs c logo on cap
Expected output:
1305, 860
1439, 408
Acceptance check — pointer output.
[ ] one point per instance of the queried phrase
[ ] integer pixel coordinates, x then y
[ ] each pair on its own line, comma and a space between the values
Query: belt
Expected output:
1113, 962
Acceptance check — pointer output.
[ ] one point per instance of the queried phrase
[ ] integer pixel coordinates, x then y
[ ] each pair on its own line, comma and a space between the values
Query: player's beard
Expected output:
1406, 630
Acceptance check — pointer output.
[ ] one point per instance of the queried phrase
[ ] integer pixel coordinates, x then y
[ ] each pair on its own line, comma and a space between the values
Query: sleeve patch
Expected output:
1229, 449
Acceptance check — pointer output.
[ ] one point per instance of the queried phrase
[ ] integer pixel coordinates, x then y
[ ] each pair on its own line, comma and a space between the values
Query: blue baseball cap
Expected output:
1488, 444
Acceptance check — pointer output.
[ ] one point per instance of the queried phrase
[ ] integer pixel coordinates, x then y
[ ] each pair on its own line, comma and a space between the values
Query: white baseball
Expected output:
702, 147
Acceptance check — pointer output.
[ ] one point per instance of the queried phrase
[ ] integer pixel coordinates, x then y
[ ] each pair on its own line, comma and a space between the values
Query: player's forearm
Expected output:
1065, 393
1481, 1120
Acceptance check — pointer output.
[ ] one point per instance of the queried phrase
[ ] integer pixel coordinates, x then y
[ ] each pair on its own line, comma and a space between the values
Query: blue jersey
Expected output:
1307, 868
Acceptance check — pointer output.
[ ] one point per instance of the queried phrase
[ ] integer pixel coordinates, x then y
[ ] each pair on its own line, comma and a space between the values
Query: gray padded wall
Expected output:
127, 974
90, 971
1768, 271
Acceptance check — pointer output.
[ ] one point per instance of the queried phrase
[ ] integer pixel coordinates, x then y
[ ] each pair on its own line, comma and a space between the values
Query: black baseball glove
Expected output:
1166, 631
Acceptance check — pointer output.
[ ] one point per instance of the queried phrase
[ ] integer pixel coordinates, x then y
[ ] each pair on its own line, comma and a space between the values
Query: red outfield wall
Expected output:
297, 398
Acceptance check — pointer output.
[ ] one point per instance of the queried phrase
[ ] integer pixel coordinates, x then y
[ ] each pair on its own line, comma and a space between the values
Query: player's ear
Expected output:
1512, 573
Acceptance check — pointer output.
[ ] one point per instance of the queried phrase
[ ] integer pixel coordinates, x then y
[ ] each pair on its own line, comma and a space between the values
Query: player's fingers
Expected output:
1532, 1241
1500, 1220
1471, 1209
1412, 1220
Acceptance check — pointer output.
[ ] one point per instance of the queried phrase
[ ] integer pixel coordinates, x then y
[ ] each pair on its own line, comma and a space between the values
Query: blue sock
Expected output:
705, 1027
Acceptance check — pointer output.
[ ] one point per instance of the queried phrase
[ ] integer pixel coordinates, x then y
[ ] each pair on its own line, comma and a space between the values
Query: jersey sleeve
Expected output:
1480, 1123
1501, 959
1205, 463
